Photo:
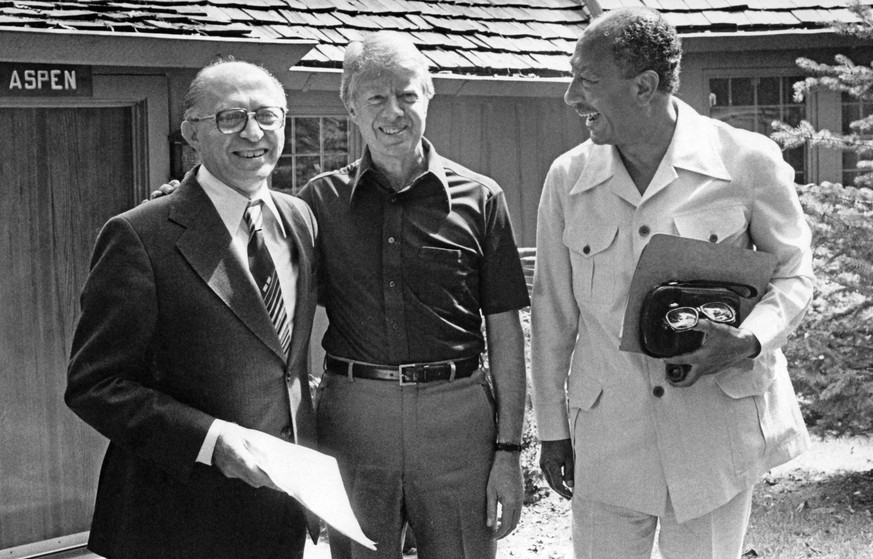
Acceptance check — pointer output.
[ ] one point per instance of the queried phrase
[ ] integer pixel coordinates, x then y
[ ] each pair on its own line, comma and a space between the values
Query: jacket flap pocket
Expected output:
713, 224
589, 240
589, 393
749, 378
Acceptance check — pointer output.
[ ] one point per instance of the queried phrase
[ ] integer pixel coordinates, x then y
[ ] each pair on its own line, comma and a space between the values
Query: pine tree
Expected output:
832, 352
847, 77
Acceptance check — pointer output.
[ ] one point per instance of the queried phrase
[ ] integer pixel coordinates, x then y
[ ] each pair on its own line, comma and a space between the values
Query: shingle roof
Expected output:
490, 37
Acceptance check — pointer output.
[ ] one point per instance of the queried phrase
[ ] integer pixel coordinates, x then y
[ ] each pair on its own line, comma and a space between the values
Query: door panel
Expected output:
63, 173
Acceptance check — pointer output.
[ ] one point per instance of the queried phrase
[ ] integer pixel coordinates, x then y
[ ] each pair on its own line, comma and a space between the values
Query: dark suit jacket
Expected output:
174, 334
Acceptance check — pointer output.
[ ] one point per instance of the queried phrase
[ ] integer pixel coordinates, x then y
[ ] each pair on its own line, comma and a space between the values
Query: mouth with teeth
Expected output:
252, 153
589, 116
391, 130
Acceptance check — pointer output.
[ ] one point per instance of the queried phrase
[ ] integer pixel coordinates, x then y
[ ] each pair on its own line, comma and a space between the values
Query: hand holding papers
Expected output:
312, 478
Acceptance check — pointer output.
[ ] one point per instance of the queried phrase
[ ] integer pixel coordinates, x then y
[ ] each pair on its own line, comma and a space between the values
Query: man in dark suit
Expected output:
177, 356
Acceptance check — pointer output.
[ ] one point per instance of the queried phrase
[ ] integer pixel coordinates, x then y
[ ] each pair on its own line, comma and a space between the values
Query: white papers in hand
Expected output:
313, 479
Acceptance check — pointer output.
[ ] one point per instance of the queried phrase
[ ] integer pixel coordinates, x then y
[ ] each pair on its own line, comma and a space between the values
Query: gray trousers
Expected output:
417, 454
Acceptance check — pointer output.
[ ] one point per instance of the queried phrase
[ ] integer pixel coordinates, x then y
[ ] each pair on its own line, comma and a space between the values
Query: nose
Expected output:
252, 130
572, 96
393, 107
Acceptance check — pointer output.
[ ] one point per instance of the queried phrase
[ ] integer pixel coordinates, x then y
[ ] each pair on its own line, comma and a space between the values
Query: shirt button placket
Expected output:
392, 280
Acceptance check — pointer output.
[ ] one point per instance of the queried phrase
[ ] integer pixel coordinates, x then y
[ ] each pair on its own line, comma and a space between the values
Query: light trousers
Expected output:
602, 531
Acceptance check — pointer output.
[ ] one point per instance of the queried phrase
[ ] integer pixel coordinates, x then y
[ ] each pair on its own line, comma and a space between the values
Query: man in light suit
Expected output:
176, 358
633, 449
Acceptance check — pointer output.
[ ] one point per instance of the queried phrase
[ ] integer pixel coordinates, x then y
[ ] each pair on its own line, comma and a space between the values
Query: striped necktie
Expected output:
264, 272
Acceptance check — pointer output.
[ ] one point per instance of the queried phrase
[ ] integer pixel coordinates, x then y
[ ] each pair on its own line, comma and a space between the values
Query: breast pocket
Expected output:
594, 264
726, 225
442, 277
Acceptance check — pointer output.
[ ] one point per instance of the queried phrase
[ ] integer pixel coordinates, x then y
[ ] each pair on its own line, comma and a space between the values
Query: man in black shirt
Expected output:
413, 250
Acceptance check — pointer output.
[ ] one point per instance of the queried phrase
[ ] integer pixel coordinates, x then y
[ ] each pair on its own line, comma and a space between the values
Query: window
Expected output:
313, 145
852, 109
752, 103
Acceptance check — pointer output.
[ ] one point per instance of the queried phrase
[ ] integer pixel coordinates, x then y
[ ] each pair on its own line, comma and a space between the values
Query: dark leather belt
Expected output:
412, 373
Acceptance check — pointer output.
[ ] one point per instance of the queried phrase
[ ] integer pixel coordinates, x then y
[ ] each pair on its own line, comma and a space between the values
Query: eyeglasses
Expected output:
231, 121
686, 318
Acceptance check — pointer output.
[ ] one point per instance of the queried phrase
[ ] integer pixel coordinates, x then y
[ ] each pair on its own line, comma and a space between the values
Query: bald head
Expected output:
222, 70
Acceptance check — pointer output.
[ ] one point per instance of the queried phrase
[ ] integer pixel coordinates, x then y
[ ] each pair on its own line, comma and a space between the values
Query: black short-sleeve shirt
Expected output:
405, 276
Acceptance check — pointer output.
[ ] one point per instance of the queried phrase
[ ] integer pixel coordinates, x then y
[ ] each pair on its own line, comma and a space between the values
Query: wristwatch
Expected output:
507, 447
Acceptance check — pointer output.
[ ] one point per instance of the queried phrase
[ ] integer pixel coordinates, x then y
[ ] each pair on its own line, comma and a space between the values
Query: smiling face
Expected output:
600, 94
390, 110
245, 159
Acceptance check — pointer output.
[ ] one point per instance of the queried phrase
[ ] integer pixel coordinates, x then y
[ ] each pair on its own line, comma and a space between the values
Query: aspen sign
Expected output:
44, 80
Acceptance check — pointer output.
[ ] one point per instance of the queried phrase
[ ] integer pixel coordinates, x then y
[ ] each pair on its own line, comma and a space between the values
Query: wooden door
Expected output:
63, 173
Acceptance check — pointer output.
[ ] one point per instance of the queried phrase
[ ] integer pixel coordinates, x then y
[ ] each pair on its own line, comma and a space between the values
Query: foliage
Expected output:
832, 351
831, 354
846, 77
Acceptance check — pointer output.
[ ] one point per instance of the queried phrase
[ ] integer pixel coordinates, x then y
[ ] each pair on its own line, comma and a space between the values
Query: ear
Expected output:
645, 86
190, 134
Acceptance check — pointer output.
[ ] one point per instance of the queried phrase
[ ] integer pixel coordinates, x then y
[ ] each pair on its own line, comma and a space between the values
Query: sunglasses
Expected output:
686, 318
231, 121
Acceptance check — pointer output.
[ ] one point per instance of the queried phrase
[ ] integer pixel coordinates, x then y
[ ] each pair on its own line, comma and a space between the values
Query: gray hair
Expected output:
200, 84
379, 53
641, 39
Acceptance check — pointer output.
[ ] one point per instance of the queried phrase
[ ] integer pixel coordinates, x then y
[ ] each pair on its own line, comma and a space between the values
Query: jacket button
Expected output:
713, 238
287, 433
586, 249
644, 231
658, 391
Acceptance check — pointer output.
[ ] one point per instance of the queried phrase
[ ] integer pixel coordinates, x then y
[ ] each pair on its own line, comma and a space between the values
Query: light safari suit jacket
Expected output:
703, 444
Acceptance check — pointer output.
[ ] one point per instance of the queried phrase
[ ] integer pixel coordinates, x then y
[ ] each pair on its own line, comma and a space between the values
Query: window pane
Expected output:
851, 113
794, 114
336, 134
741, 92
788, 88
850, 165
282, 177
755, 102
797, 159
305, 168
334, 162
766, 116
719, 92
768, 91
306, 138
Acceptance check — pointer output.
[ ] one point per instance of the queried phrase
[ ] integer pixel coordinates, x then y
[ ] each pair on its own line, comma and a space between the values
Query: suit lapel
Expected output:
297, 231
206, 245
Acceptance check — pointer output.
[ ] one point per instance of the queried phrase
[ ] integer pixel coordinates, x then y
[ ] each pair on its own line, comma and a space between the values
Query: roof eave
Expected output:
145, 50
328, 79
766, 40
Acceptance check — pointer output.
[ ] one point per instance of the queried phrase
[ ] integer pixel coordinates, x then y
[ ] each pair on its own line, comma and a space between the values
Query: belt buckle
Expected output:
418, 372
413, 369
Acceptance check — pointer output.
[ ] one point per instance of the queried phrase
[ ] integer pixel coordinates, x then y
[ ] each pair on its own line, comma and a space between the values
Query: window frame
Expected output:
354, 141
809, 170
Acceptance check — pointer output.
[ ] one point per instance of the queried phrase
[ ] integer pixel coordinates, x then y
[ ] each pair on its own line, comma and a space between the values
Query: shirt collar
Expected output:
230, 204
434, 168
692, 148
